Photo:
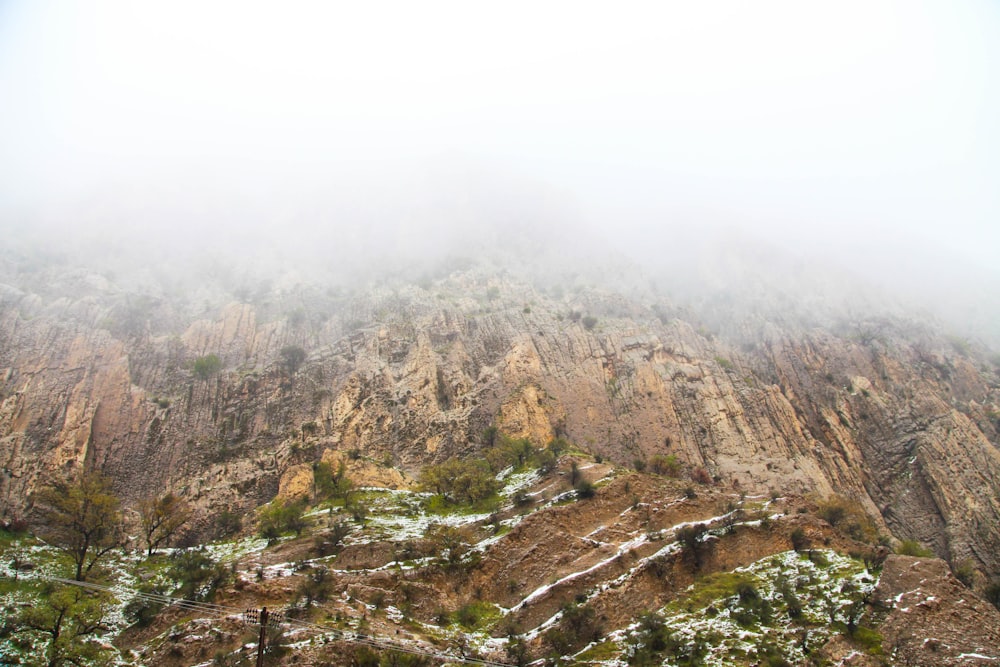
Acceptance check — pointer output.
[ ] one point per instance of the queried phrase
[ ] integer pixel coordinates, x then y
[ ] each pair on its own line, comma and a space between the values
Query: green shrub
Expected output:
800, 541
316, 586
207, 366
198, 574
848, 517
460, 481
142, 609
665, 465
331, 483
292, 357
965, 572
913, 548
228, 523
475, 615
280, 517
792, 603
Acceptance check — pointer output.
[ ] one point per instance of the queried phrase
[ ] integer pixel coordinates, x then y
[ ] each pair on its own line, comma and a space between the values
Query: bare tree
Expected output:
161, 518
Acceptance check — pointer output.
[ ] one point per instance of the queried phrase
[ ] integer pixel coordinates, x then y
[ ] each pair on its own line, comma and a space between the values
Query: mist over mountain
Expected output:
505, 334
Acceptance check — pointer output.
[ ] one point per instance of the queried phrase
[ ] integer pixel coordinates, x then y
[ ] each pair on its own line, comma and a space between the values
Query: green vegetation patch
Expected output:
772, 612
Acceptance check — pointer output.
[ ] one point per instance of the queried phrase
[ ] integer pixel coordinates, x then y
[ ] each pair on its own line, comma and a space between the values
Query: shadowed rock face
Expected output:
901, 420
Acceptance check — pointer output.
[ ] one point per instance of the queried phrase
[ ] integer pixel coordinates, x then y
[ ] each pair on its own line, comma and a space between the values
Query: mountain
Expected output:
228, 388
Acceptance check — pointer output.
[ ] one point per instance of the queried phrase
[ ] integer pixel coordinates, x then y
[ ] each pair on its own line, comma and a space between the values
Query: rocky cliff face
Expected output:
898, 417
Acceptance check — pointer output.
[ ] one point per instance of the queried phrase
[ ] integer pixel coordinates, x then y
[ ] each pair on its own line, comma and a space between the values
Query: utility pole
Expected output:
262, 642
263, 618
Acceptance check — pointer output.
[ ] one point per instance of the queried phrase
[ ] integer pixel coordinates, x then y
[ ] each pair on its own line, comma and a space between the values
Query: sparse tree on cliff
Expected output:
292, 357
692, 541
83, 519
161, 518
207, 366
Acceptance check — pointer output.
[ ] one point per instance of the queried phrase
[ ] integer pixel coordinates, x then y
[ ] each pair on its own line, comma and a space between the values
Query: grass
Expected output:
868, 639
477, 615
439, 505
601, 652
712, 587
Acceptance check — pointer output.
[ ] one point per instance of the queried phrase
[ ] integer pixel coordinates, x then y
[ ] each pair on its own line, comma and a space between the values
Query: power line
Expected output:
222, 611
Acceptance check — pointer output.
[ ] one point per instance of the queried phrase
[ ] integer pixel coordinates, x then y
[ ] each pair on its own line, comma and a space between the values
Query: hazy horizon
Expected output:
860, 139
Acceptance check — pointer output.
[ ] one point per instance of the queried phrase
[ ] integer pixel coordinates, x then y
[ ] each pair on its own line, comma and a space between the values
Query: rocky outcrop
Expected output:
904, 422
932, 618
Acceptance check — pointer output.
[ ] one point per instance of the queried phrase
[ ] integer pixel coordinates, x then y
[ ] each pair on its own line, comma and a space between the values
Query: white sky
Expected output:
846, 123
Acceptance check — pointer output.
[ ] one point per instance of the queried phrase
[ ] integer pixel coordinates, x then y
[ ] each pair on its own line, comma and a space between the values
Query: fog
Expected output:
853, 144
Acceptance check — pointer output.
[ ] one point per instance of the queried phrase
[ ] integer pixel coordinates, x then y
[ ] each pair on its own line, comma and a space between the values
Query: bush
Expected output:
331, 541
292, 357
584, 490
331, 483
577, 626
800, 541
228, 523
965, 572
470, 615
506, 452
589, 322
849, 517
913, 548
692, 544
559, 446
142, 609
198, 574
207, 366
316, 586
701, 476
665, 465
279, 518
792, 603
448, 543
460, 482
750, 607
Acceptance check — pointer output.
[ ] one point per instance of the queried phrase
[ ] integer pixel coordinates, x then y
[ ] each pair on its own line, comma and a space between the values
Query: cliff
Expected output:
890, 413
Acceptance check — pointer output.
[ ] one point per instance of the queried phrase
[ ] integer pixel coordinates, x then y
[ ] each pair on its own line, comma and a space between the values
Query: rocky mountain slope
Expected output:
750, 421
887, 412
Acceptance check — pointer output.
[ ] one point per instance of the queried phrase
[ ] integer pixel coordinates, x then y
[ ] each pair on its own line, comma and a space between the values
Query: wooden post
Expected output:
263, 637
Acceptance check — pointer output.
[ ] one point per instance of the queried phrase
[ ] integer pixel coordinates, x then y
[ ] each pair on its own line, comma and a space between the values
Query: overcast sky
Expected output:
869, 128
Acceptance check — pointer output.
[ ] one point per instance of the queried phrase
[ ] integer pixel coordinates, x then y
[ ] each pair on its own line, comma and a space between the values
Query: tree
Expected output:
461, 482
161, 518
331, 483
67, 618
693, 545
198, 574
292, 357
83, 519
575, 476
278, 518
207, 366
